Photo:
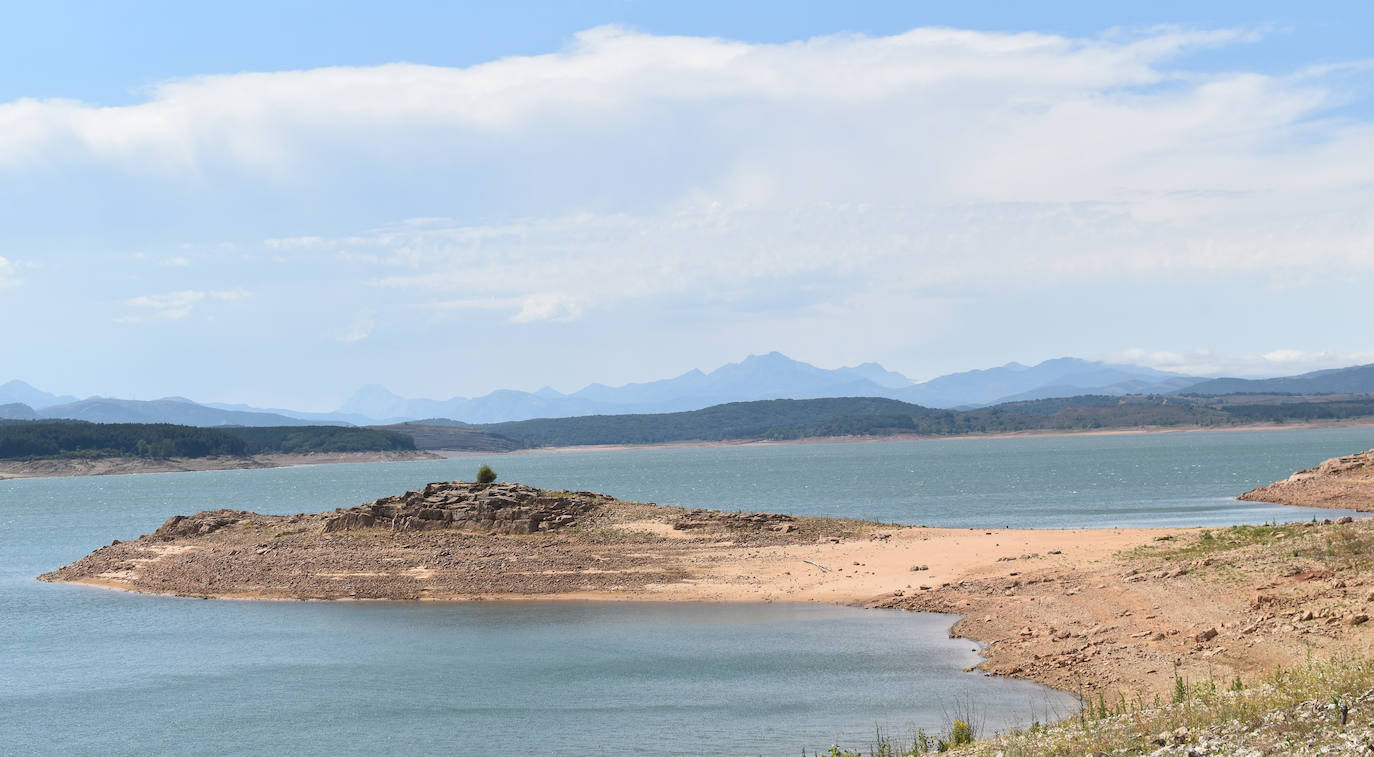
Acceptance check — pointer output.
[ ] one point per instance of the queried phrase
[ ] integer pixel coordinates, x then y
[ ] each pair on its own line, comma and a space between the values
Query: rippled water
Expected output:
100, 672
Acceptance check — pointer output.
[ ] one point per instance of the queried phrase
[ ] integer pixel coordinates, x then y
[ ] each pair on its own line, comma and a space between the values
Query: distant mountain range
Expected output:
108, 410
776, 376
17, 392
1357, 379
758, 377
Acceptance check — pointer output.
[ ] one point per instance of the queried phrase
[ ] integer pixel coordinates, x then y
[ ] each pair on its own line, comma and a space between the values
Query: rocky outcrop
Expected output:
1345, 482
448, 540
200, 524
699, 519
499, 508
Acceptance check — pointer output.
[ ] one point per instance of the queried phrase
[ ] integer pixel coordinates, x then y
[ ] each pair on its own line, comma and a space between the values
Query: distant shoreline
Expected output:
112, 466
1133, 430
119, 466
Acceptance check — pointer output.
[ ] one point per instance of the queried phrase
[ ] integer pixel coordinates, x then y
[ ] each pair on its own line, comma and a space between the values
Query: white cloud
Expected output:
560, 268
360, 329
547, 306
171, 261
928, 115
7, 274
841, 178
1279, 362
174, 306
937, 157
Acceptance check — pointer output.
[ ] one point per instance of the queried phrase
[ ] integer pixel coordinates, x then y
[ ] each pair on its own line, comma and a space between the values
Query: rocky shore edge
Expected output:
1345, 482
1107, 614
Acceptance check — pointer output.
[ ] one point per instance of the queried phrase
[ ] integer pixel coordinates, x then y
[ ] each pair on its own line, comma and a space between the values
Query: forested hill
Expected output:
1356, 378
764, 419
45, 439
872, 416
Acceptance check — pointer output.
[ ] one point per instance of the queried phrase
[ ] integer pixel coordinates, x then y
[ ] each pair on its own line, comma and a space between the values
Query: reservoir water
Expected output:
87, 671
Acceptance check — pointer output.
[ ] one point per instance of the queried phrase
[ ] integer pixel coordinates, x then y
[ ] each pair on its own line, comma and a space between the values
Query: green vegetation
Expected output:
307, 439
1213, 541
1300, 710
485, 475
767, 419
76, 439
761, 420
872, 416
43, 439
451, 435
1336, 549
1281, 412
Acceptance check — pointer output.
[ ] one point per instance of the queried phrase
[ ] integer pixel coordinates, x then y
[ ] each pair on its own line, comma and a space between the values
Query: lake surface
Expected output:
92, 671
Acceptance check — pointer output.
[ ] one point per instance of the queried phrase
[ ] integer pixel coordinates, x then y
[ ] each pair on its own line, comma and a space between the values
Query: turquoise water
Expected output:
88, 671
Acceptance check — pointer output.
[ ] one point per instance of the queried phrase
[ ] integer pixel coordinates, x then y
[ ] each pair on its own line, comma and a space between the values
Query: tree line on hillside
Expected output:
766, 419
161, 440
308, 439
868, 416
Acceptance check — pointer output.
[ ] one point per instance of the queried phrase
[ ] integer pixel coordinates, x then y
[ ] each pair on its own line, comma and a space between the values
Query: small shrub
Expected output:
485, 475
960, 733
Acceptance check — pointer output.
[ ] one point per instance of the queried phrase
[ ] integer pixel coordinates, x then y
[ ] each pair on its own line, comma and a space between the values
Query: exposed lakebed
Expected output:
126, 674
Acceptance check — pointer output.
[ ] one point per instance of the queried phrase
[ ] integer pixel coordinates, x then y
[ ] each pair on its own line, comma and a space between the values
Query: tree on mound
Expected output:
485, 475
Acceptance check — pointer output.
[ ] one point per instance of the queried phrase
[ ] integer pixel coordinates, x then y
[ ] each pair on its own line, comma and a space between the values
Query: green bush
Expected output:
485, 475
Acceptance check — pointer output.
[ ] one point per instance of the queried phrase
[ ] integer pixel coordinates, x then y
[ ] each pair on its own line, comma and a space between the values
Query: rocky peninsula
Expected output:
449, 540
1342, 482
1092, 610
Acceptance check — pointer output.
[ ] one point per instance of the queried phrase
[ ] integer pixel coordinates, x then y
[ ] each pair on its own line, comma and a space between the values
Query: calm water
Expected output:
91, 671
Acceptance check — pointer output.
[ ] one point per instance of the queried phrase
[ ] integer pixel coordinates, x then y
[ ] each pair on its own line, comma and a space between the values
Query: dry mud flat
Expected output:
1083, 610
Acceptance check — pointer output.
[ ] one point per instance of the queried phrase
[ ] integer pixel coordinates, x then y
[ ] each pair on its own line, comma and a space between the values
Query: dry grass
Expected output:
1318, 705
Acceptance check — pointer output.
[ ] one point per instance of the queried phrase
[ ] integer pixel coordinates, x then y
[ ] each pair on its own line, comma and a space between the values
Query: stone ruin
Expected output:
499, 508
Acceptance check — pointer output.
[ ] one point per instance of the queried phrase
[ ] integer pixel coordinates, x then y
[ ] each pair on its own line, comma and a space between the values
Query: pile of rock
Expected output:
694, 519
499, 508
200, 524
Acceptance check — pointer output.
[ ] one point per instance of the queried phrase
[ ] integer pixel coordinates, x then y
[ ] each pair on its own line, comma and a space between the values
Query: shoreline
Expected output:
124, 466
1036, 434
1080, 610
109, 466
1101, 614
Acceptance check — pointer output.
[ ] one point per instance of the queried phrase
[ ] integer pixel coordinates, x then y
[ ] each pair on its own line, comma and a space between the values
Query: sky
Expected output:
277, 203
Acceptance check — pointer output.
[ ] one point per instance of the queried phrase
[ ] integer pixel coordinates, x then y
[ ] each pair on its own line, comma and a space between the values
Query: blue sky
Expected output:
276, 203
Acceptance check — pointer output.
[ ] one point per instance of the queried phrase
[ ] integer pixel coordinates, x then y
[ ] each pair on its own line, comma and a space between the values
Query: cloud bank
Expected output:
791, 190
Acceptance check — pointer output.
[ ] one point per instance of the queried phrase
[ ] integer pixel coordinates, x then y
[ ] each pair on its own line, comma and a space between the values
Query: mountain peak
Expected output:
771, 357
374, 401
27, 394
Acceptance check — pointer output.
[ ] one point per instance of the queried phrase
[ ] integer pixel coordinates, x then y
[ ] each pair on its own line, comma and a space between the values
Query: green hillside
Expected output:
44, 439
451, 436
1355, 379
871, 416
